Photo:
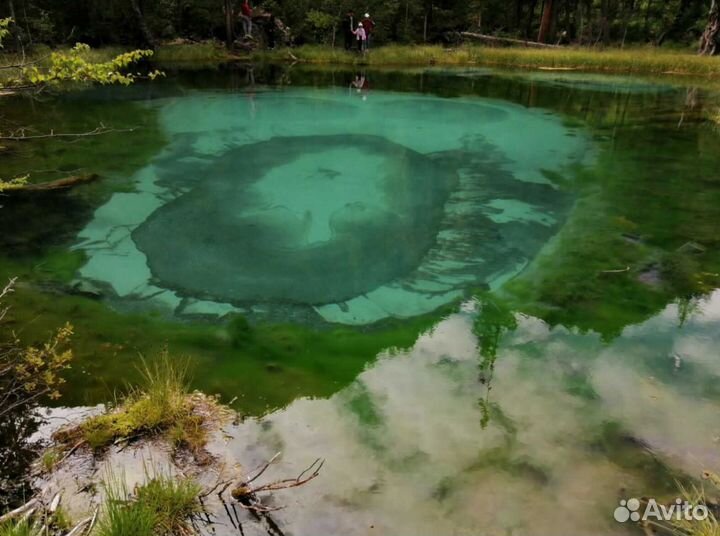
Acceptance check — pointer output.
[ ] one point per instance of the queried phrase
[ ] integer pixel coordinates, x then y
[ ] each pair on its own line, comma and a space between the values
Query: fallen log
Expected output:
507, 40
59, 184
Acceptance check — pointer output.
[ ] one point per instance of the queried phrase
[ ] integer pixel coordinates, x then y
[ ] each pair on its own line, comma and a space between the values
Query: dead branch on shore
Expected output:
246, 494
20, 511
506, 40
20, 135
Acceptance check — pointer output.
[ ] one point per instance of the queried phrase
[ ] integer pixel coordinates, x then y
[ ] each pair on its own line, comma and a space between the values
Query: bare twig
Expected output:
20, 66
293, 482
9, 288
262, 469
70, 452
19, 511
80, 527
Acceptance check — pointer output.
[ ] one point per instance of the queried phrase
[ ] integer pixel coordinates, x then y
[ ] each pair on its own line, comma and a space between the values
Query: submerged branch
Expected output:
102, 129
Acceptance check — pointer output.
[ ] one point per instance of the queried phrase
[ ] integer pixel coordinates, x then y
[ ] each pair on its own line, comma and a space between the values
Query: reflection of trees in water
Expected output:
16, 453
494, 320
27, 374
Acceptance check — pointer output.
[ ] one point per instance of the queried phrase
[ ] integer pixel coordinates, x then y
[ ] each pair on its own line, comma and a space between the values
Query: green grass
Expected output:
121, 516
50, 459
639, 60
22, 528
162, 403
172, 501
162, 506
190, 52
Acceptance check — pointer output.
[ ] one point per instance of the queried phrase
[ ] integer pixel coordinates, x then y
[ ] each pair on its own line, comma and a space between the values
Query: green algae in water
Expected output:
306, 220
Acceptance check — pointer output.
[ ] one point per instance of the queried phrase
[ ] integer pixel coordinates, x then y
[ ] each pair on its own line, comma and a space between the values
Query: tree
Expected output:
148, 38
711, 35
229, 23
546, 21
74, 66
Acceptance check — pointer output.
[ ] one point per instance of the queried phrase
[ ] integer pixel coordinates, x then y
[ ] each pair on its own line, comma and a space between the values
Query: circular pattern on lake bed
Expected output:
308, 220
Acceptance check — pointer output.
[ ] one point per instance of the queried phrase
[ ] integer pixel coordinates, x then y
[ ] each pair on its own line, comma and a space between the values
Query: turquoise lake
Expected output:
488, 299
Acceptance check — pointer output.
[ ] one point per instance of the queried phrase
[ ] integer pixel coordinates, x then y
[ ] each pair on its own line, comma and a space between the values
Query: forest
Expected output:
675, 23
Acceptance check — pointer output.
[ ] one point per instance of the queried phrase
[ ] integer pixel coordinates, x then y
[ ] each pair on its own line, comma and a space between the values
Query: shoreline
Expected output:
635, 61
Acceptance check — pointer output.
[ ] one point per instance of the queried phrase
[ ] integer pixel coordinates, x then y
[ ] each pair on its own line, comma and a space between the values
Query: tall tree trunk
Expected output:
711, 35
229, 38
530, 18
142, 24
604, 22
546, 21
648, 9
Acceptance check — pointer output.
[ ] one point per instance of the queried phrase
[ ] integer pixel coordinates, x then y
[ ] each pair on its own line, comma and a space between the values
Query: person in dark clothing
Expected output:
369, 26
348, 25
246, 18
271, 30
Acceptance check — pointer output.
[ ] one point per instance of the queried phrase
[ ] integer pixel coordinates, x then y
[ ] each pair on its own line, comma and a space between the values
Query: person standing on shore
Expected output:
246, 19
369, 26
361, 38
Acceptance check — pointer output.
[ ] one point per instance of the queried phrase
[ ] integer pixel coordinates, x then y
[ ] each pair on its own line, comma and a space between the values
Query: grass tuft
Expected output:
172, 501
161, 404
21, 528
121, 516
161, 507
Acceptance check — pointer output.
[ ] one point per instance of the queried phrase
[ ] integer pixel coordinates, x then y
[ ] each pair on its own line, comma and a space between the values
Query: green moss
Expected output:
625, 252
239, 331
275, 364
61, 265
160, 403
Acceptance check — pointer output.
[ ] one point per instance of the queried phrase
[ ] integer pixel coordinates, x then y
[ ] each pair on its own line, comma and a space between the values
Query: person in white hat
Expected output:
361, 36
369, 26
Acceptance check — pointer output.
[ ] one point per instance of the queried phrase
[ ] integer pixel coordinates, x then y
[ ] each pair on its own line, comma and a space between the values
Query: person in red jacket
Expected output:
369, 26
246, 18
